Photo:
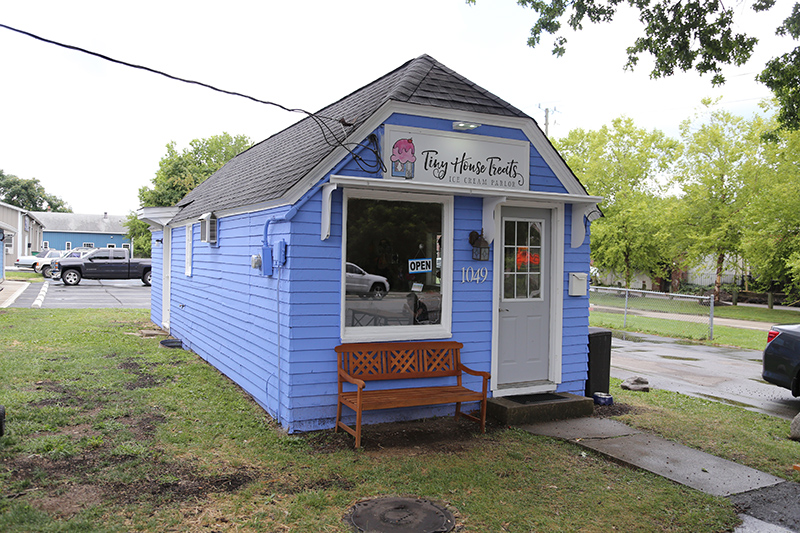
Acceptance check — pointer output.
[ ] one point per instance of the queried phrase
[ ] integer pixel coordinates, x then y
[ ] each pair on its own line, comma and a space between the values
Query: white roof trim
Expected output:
157, 216
575, 191
582, 204
8, 228
460, 190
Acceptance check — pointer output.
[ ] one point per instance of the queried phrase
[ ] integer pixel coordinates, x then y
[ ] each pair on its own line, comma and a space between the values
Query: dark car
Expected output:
782, 357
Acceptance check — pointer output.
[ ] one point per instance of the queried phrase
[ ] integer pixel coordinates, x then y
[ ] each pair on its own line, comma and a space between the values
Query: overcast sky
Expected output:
93, 132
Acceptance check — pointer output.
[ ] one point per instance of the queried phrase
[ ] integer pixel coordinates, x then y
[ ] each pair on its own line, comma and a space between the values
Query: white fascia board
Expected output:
460, 190
157, 216
8, 228
575, 191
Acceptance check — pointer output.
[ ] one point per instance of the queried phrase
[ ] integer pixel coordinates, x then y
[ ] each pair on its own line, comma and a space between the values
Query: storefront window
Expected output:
394, 264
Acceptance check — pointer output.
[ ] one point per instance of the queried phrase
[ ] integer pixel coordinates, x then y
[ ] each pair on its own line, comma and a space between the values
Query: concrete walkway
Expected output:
769, 502
11, 291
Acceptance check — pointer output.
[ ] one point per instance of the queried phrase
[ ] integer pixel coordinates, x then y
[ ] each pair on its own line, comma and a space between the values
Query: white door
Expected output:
523, 347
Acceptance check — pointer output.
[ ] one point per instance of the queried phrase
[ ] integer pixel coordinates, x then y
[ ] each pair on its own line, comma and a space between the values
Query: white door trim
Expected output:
555, 290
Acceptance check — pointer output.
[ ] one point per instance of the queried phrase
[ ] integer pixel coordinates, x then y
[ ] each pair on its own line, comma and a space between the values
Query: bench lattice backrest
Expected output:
398, 360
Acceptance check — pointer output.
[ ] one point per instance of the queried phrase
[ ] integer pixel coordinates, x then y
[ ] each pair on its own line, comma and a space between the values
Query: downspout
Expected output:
267, 270
266, 254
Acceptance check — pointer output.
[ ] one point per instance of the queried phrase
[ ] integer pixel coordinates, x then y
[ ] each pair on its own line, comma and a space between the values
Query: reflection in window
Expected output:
522, 259
393, 262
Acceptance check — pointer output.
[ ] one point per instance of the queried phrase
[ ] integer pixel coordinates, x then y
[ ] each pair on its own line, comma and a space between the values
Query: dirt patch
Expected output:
70, 503
178, 483
64, 487
615, 409
416, 437
143, 380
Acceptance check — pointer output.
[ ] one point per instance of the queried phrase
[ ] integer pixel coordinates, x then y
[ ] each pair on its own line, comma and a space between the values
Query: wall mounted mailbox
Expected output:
578, 283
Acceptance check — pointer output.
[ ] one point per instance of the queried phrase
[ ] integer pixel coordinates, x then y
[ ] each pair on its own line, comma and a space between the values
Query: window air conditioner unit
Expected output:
208, 228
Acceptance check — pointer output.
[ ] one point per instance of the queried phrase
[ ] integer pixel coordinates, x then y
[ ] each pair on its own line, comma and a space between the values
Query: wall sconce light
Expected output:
160, 241
480, 248
463, 125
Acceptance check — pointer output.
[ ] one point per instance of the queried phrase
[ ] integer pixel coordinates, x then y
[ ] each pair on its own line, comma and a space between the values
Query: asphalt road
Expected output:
729, 375
92, 294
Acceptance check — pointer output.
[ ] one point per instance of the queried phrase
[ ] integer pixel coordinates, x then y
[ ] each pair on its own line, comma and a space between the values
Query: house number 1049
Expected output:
470, 275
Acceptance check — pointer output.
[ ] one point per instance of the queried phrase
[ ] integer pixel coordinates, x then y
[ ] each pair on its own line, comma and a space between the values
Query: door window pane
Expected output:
522, 259
393, 261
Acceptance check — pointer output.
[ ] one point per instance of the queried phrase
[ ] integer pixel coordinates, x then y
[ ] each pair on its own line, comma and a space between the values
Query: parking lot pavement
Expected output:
90, 294
725, 374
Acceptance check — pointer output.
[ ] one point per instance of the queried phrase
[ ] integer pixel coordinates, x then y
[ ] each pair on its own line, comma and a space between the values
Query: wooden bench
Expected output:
362, 362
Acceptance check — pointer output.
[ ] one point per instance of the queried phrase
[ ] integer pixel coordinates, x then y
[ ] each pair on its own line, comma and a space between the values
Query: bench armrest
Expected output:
350, 379
484, 375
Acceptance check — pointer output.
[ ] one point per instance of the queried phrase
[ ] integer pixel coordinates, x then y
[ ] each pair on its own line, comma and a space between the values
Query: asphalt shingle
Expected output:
269, 169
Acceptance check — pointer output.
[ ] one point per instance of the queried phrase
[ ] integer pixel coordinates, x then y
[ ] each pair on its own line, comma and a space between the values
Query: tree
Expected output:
622, 163
683, 35
720, 173
180, 172
771, 238
29, 194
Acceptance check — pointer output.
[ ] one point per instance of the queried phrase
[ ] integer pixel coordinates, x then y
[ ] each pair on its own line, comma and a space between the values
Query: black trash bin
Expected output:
599, 361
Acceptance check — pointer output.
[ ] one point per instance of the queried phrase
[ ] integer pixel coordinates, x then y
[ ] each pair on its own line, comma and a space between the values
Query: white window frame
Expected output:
188, 255
88, 245
68, 245
443, 330
111, 245
46, 244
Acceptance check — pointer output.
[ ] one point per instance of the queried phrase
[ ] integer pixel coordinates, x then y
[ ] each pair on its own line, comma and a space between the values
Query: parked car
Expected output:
102, 263
75, 252
359, 281
37, 260
782, 358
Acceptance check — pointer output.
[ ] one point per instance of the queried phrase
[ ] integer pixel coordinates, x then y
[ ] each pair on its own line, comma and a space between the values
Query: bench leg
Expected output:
483, 415
338, 416
358, 429
458, 410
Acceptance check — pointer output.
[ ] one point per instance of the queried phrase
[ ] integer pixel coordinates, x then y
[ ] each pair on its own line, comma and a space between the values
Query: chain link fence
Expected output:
656, 312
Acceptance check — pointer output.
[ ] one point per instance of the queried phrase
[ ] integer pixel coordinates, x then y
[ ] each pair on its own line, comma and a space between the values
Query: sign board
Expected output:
449, 158
419, 266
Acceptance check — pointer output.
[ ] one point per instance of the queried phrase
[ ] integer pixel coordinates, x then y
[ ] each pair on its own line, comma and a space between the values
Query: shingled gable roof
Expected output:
269, 169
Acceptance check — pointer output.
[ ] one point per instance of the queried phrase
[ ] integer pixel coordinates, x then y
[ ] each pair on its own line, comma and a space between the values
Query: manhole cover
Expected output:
400, 515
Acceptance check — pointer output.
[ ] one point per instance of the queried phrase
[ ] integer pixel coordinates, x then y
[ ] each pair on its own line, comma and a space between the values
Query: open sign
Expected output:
418, 266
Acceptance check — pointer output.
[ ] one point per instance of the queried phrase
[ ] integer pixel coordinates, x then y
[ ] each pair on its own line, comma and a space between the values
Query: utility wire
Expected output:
325, 128
152, 70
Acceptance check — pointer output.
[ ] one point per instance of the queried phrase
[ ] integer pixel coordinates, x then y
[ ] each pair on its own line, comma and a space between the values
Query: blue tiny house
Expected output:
419, 207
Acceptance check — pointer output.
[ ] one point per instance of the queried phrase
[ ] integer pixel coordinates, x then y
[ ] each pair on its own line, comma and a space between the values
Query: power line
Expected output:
317, 118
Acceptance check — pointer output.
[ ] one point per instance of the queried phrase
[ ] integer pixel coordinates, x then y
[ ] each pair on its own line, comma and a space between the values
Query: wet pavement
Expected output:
729, 375
769, 503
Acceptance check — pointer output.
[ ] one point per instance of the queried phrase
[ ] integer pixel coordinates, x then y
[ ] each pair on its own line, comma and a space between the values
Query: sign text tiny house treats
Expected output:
466, 160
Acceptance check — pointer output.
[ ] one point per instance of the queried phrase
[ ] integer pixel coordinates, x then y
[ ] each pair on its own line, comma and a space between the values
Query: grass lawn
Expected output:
691, 307
22, 275
723, 335
108, 432
753, 439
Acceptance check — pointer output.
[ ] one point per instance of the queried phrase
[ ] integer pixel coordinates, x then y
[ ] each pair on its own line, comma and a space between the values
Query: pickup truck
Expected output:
102, 263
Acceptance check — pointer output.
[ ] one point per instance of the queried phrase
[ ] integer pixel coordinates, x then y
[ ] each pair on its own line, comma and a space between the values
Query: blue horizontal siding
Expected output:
274, 335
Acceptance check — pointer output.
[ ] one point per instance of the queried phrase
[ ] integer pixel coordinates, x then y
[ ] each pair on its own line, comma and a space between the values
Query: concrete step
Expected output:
533, 408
